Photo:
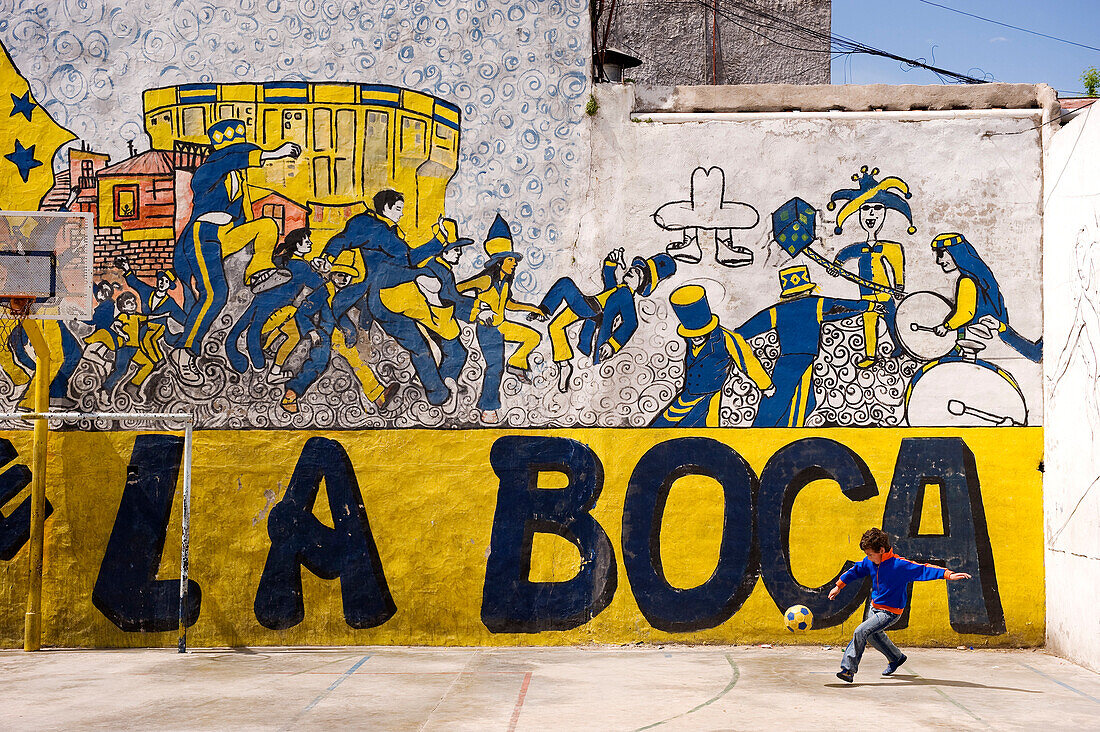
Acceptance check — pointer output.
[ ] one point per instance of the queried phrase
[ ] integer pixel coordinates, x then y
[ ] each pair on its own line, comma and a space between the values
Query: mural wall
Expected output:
376, 230
541, 537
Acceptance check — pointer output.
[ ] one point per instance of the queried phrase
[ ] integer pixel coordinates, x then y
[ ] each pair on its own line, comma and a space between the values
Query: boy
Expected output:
890, 578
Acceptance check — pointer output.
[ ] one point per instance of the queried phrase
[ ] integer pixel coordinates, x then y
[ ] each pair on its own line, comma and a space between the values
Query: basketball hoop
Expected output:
19, 307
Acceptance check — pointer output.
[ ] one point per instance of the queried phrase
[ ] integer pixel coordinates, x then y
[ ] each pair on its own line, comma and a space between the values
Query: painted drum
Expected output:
918, 313
955, 392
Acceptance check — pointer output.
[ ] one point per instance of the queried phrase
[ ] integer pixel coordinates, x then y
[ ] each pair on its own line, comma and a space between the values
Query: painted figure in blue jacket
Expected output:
158, 305
258, 321
978, 299
711, 351
324, 318
890, 579
877, 260
797, 319
221, 223
447, 307
100, 345
610, 317
386, 293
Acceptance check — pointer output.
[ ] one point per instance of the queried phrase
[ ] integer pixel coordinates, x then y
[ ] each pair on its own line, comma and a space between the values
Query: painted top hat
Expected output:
692, 309
498, 243
448, 232
794, 281
657, 268
872, 191
794, 225
226, 132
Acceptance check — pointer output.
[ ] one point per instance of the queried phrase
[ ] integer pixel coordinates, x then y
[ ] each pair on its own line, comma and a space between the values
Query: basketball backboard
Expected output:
46, 257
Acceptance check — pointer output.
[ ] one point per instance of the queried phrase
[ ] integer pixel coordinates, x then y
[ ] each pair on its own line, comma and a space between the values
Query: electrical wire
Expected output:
1009, 25
747, 14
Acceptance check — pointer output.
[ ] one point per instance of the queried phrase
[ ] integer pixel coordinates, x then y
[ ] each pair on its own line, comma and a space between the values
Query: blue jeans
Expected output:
871, 630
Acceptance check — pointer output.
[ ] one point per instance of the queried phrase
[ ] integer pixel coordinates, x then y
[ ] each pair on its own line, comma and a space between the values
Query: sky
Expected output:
955, 42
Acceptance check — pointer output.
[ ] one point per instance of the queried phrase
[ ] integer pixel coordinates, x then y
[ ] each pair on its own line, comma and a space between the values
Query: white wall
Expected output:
1071, 237
973, 172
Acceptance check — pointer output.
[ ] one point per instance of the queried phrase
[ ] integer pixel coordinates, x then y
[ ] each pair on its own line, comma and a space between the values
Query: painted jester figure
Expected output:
221, 223
610, 317
711, 352
878, 261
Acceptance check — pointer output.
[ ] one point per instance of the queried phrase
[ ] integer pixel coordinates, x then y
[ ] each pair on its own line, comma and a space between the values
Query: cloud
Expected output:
998, 39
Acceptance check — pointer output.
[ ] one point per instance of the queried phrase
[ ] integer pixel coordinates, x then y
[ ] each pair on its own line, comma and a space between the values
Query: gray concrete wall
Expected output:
1071, 246
677, 42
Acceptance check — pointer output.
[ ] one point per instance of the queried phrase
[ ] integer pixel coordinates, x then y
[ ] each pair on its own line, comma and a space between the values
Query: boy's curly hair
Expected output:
875, 540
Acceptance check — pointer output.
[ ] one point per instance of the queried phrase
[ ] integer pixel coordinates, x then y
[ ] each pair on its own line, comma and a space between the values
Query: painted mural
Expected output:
494, 369
289, 253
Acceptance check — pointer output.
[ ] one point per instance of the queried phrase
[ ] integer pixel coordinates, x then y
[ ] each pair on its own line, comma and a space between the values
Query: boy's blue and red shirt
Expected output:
890, 579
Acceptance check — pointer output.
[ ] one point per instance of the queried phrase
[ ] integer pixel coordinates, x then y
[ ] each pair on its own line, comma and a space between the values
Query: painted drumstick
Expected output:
959, 408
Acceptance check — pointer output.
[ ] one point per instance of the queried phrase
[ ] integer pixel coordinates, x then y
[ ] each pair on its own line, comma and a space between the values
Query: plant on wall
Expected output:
1090, 77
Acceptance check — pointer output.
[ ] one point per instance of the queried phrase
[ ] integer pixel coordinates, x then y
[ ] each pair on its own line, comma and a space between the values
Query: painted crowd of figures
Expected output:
370, 275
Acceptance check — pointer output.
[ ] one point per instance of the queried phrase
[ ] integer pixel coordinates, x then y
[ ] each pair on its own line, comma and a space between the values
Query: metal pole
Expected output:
185, 543
32, 626
32, 631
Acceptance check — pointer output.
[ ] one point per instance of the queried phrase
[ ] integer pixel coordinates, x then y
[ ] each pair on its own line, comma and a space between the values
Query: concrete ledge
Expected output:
849, 97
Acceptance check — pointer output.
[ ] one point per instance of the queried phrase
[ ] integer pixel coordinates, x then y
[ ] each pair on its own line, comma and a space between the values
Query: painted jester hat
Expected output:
872, 191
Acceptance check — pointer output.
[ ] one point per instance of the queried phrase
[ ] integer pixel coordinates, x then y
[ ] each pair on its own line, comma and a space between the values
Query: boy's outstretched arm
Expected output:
949, 575
857, 570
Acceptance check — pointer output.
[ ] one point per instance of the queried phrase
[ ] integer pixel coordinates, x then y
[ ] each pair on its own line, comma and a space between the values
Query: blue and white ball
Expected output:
798, 617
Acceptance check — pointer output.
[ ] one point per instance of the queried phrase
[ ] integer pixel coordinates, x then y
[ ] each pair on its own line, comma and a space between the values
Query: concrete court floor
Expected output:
590, 688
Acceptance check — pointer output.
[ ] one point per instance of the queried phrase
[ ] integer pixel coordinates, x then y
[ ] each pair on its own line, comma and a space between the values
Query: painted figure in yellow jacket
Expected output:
134, 346
878, 261
978, 299
493, 296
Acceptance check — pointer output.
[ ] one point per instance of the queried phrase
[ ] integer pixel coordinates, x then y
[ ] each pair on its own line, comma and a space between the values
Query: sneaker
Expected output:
279, 375
267, 279
844, 675
133, 391
523, 375
186, 368
889, 670
450, 407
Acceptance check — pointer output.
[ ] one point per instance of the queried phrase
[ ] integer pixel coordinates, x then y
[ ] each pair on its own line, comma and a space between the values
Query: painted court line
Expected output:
519, 702
719, 695
465, 669
336, 683
1051, 678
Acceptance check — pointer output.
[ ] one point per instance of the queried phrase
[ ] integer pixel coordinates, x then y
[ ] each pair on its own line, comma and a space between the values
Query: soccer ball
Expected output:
798, 617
